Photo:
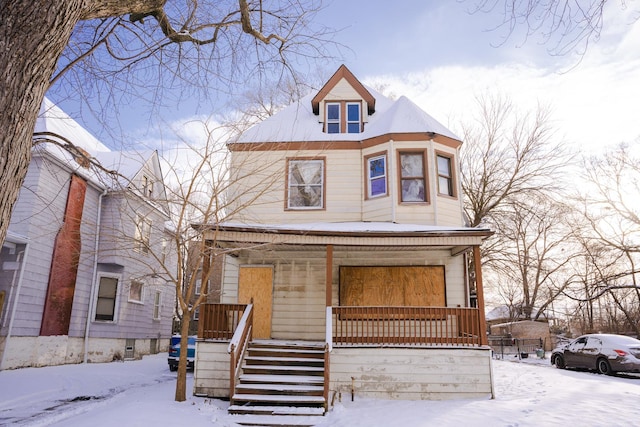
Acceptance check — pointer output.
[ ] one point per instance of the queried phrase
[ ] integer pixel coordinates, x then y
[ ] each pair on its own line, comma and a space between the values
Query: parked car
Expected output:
174, 352
604, 353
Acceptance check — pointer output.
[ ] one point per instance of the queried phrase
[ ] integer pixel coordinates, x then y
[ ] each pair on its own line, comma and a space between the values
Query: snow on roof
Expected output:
54, 121
297, 122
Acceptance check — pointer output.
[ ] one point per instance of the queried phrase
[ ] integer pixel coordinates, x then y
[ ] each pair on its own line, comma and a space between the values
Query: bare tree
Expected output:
535, 253
108, 42
564, 25
612, 237
507, 156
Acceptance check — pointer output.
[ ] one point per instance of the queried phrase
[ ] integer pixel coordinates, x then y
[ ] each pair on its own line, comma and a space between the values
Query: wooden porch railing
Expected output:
219, 321
238, 346
406, 326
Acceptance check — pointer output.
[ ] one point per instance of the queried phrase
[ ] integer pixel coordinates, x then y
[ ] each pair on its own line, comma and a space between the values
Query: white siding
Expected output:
411, 373
212, 367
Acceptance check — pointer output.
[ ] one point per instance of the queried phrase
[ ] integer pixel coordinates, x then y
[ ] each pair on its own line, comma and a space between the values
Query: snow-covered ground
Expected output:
141, 393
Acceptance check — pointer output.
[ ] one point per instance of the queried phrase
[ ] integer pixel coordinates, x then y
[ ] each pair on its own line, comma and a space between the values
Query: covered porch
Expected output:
309, 302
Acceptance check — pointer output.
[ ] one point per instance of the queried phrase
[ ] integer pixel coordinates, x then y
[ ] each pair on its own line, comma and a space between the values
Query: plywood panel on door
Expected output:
256, 284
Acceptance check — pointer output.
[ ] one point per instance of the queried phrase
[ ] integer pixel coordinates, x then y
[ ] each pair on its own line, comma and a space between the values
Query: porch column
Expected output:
480, 295
204, 278
329, 276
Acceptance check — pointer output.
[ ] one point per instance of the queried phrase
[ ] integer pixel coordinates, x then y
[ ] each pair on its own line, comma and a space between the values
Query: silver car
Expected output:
604, 353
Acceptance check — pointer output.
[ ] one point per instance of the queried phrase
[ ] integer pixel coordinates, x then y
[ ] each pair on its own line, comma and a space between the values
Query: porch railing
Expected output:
238, 346
442, 326
219, 321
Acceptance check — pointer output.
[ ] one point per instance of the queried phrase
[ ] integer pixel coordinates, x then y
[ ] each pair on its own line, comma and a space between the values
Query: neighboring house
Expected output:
347, 235
82, 270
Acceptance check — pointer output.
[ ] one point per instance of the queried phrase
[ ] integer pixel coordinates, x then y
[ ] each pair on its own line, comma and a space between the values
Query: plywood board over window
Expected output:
408, 286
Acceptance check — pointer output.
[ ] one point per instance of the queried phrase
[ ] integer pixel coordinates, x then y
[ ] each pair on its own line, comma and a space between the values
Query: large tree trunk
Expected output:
33, 34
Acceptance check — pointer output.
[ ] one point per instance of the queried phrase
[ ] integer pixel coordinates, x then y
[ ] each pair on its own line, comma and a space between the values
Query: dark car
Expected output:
604, 353
174, 352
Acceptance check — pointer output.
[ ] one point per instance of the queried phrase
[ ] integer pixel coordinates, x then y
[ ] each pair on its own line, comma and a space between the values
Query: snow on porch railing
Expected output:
238, 345
405, 326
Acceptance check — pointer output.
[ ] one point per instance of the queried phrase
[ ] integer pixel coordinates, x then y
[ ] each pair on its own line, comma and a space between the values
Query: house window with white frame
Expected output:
342, 116
413, 183
445, 175
305, 184
354, 119
157, 305
135, 291
106, 299
142, 234
377, 176
333, 117
147, 186
198, 286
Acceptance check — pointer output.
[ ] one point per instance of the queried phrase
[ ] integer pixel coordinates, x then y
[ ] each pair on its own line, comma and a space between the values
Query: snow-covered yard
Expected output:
140, 393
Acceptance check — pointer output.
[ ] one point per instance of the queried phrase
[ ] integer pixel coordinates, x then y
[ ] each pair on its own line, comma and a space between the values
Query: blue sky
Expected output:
442, 57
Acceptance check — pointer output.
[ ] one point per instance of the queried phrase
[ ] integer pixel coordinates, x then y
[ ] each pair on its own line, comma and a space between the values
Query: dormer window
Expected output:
353, 117
333, 117
147, 186
341, 117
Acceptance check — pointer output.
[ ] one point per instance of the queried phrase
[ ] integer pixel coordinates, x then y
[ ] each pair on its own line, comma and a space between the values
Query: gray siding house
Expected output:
85, 268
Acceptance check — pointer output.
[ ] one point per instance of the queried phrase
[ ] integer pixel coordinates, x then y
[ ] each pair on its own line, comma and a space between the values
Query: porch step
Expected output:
282, 384
286, 389
276, 359
281, 379
283, 370
275, 410
275, 420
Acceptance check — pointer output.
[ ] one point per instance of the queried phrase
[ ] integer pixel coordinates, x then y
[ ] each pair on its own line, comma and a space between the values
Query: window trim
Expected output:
157, 305
142, 286
116, 303
424, 177
142, 236
323, 204
327, 121
147, 186
451, 178
343, 119
367, 178
346, 116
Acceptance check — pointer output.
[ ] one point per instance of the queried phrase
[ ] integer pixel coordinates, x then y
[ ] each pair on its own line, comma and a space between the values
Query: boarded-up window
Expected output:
413, 286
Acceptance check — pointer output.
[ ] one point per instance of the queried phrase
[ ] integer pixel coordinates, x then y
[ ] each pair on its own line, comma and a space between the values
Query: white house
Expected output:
347, 242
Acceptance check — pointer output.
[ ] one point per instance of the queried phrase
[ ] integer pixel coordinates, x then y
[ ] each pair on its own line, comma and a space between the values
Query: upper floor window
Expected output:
413, 182
305, 184
343, 117
353, 117
377, 176
333, 117
135, 291
106, 299
147, 186
157, 305
142, 234
445, 175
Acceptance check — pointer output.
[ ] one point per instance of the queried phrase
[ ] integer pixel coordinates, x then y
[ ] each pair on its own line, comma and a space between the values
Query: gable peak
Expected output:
343, 73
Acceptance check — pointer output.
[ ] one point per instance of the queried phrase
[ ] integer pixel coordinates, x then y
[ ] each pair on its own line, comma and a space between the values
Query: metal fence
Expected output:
519, 347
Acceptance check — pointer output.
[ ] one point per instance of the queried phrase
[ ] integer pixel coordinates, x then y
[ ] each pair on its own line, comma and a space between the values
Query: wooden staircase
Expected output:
281, 384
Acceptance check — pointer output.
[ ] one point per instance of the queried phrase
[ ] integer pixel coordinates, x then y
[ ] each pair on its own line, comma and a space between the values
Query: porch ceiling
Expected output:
354, 236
